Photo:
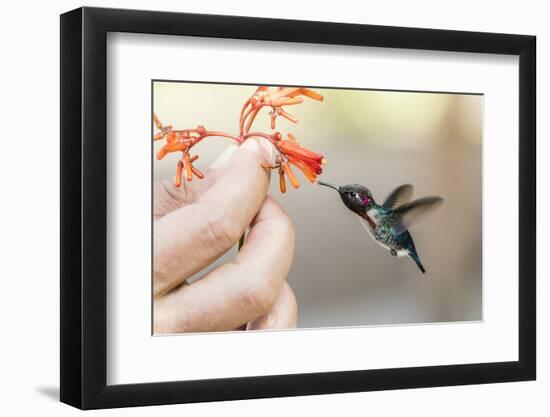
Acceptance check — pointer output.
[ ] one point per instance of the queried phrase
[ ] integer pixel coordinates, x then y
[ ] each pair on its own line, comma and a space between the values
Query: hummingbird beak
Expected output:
326, 184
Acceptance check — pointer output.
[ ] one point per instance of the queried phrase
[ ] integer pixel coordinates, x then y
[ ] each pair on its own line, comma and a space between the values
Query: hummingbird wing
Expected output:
399, 196
412, 212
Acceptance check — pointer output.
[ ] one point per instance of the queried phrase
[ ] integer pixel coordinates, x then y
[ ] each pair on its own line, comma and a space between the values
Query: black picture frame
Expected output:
84, 207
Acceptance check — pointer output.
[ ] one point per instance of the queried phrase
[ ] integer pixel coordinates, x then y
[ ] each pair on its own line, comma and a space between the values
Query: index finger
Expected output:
189, 238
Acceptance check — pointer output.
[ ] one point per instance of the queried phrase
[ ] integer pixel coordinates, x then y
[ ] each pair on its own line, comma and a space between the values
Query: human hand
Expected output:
200, 221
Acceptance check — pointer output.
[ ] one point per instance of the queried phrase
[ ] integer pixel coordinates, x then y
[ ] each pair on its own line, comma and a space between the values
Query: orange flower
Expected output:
187, 166
311, 94
312, 160
291, 92
186, 163
282, 181
306, 170
197, 173
276, 99
179, 172
292, 178
309, 162
287, 101
290, 152
284, 96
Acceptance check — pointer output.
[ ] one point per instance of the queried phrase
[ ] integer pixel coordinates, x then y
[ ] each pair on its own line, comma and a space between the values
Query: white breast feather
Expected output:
369, 229
373, 215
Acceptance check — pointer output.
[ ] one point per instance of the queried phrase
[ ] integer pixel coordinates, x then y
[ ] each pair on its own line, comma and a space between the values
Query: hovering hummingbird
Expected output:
388, 224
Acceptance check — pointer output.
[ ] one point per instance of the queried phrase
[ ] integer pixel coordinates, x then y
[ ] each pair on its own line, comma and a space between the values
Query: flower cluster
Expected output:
289, 150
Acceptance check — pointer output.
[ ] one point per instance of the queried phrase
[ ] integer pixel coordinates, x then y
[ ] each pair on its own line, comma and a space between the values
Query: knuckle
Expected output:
168, 198
223, 232
260, 294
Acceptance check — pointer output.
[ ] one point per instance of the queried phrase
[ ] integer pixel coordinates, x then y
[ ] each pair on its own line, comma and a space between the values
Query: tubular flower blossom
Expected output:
289, 151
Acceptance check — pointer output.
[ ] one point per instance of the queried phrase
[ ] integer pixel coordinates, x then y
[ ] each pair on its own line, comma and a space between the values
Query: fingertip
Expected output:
259, 150
225, 156
278, 217
240, 188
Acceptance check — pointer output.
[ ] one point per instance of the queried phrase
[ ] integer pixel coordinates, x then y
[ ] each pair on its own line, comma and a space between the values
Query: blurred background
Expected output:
380, 139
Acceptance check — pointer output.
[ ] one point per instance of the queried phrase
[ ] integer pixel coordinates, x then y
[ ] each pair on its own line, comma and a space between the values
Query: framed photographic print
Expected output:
258, 208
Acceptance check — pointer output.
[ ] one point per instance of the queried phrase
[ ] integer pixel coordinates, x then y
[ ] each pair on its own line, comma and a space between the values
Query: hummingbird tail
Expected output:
415, 258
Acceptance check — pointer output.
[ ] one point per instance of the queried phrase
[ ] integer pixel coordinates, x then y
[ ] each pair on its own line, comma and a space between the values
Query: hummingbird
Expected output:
388, 224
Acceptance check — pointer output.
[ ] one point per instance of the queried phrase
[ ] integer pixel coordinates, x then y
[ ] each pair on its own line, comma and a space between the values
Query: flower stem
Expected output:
241, 243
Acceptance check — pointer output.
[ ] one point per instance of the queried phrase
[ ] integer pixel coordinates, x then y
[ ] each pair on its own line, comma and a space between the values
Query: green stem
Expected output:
241, 243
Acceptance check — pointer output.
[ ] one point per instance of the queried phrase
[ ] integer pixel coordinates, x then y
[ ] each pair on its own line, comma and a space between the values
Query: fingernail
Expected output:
267, 150
265, 146
252, 144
